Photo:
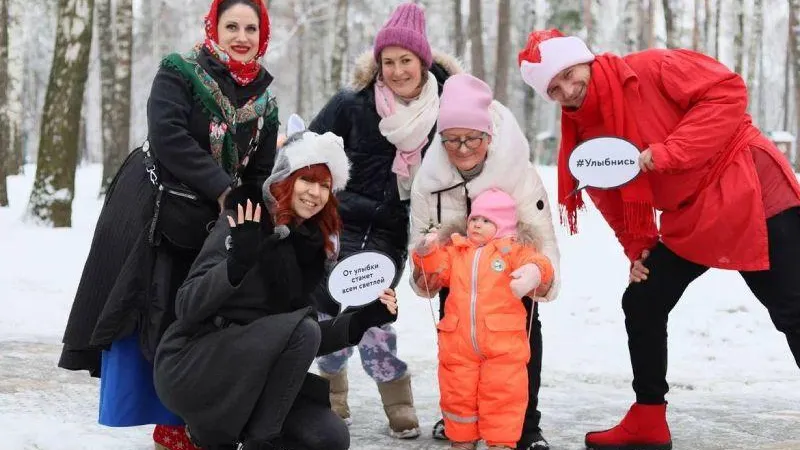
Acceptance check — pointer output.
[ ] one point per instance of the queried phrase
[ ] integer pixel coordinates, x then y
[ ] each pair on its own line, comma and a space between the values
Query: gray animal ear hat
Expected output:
306, 148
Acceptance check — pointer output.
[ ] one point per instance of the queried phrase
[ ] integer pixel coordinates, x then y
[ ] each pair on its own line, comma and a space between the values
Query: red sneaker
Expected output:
643, 428
168, 437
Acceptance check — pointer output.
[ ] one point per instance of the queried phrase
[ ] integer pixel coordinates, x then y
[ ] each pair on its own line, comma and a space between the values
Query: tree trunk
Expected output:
529, 100
706, 23
54, 186
787, 74
738, 38
794, 21
114, 155
341, 38
754, 54
717, 21
6, 145
301, 58
503, 54
588, 21
696, 26
651, 24
630, 14
476, 39
16, 72
105, 27
647, 24
458, 30
669, 22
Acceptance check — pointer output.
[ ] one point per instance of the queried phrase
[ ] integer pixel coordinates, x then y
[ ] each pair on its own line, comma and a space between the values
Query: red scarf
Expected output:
243, 73
616, 88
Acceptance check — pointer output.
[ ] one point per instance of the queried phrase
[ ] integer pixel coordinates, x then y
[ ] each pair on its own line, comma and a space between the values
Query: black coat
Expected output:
211, 374
114, 297
372, 213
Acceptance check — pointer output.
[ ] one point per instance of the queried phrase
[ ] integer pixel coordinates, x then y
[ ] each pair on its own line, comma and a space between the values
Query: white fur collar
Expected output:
506, 160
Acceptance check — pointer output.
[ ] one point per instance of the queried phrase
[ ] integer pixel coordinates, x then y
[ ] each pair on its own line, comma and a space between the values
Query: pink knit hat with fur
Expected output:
465, 103
406, 29
500, 208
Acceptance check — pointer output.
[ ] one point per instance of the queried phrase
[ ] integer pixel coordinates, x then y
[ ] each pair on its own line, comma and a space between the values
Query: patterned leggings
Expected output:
378, 351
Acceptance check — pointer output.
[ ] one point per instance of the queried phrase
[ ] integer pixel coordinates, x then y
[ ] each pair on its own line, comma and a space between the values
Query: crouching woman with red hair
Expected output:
235, 364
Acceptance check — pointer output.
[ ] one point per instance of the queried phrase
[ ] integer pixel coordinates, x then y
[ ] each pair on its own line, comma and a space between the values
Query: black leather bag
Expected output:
181, 216
184, 218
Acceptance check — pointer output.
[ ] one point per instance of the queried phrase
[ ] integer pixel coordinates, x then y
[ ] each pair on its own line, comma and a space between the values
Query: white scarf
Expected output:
407, 126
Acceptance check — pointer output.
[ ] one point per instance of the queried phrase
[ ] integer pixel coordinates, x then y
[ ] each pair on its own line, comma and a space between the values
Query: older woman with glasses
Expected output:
481, 146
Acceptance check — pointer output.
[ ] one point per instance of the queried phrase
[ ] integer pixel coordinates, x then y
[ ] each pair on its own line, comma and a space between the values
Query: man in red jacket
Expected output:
728, 198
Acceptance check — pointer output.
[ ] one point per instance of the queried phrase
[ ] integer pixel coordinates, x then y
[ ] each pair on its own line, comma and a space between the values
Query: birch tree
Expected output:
669, 24
16, 73
646, 16
503, 59
54, 185
696, 26
706, 24
340, 44
717, 21
5, 134
105, 28
630, 17
476, 39
531, 125
299, 107
738, 37
458, 30
588, 22
794, 45
754, 53
116, 86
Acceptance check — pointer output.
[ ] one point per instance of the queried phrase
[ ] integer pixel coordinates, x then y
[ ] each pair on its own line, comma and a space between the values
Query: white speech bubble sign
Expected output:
604, 163
360, 278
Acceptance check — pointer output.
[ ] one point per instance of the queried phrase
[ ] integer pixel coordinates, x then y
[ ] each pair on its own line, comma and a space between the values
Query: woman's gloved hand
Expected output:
244, 241
374, 315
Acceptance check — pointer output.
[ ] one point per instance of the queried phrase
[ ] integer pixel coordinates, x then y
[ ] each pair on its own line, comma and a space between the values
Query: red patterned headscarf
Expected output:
246, 72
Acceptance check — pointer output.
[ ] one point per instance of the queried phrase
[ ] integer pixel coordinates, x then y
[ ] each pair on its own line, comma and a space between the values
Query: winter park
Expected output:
333, 224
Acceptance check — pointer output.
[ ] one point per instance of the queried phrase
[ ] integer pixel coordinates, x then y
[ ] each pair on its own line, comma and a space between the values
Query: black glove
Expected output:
373, 315
243, 250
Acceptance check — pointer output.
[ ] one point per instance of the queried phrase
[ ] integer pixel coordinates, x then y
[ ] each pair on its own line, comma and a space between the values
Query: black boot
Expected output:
533, 442
438, 431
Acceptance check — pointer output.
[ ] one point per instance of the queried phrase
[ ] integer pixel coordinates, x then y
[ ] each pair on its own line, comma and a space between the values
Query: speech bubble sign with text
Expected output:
360, 278
604, 163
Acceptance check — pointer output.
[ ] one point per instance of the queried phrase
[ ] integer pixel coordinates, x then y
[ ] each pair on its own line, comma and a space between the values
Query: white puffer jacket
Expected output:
439, 194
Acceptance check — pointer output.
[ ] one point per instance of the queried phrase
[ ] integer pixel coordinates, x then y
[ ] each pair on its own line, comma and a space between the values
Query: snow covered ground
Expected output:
734, 383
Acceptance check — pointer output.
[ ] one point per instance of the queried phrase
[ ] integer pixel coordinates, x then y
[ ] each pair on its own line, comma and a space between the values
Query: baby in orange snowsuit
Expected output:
483, 344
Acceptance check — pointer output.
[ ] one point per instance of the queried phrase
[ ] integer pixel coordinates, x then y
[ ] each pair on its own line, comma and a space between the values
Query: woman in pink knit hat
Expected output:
387, 119
480, 146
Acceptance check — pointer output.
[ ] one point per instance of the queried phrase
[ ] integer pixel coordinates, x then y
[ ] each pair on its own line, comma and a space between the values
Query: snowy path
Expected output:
734, 384
42, 407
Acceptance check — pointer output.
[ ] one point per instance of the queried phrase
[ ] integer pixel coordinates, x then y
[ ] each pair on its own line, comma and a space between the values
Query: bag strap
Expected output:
251, 148
150, 163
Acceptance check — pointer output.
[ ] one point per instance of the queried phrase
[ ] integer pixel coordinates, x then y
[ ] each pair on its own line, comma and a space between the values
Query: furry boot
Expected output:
398, 404
338, 394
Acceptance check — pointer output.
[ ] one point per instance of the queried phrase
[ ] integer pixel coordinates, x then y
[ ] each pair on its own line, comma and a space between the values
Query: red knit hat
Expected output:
547, 53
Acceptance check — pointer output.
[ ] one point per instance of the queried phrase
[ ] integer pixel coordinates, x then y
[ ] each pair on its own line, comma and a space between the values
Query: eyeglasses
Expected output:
472, 142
